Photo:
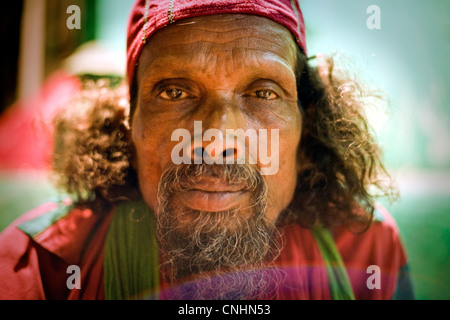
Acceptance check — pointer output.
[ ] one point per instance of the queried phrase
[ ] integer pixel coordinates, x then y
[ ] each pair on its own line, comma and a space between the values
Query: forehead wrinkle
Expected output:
227, 63
209, 56
221, 36
212, 47
272, 39
245, 43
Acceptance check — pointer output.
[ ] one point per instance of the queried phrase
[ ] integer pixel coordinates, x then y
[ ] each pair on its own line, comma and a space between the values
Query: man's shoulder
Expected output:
44, 216
382, 226
33, 223
383, 219
17, 235
61, 227
34, 213
19, 262
378, 250
380, 243
58, 228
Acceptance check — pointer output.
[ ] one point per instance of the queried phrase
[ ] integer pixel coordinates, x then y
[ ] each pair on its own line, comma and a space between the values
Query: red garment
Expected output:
380, 246
34, 267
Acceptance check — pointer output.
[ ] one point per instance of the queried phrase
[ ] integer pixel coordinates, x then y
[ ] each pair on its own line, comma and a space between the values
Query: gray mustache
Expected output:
184, 176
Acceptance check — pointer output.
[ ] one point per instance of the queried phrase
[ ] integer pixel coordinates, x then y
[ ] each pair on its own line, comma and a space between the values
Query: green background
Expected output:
408, 60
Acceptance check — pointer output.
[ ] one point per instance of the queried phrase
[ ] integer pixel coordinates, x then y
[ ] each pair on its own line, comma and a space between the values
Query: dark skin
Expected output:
230, 72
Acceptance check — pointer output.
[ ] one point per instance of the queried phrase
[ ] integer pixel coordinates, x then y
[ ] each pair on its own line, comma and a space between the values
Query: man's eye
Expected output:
173, 94
266, 94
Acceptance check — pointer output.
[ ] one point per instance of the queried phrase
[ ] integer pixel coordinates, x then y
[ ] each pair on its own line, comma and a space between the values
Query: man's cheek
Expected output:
270, 159
148, 182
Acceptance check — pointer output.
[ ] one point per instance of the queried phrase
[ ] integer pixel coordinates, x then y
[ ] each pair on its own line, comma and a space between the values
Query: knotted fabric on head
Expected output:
148, 16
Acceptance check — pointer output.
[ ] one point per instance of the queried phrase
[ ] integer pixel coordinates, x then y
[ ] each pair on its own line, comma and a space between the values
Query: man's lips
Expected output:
213, 195
214, 185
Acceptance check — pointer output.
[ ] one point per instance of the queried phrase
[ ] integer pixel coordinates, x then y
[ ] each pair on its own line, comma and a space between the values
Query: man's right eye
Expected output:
173, 94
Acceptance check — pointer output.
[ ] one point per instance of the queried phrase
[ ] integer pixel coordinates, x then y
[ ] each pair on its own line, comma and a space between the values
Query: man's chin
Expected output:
198, 242
186, 220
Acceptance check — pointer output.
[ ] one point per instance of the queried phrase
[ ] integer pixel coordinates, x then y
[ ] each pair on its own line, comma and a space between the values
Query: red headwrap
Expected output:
148, 16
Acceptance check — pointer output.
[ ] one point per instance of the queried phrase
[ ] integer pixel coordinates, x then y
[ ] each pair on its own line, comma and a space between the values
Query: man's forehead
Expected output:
147, 17
220, 35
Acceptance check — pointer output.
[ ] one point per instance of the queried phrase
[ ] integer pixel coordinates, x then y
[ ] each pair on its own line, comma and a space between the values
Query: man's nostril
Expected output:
228, 152
198, 152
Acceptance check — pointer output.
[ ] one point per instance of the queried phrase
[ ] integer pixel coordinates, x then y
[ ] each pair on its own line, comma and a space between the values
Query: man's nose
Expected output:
218, 142
215, 155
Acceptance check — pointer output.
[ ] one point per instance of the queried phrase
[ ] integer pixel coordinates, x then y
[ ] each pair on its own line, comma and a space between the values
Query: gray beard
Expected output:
217, 255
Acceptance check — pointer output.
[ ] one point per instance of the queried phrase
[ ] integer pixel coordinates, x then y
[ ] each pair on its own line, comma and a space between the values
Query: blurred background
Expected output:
46, 56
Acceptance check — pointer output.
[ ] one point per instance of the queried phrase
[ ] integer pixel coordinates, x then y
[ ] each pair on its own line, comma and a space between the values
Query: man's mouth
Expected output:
213, 195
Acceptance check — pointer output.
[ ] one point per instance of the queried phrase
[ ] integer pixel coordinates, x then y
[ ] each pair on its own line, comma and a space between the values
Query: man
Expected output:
177, 196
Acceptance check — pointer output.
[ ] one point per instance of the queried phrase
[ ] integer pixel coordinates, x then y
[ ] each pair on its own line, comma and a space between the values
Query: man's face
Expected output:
215, 222
229, 72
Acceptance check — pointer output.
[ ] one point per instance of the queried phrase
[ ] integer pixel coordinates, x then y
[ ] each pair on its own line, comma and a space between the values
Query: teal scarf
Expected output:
131, 262
340, 286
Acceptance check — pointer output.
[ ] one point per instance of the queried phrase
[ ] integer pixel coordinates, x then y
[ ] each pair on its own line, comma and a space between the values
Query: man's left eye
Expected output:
173, 94
266, 94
